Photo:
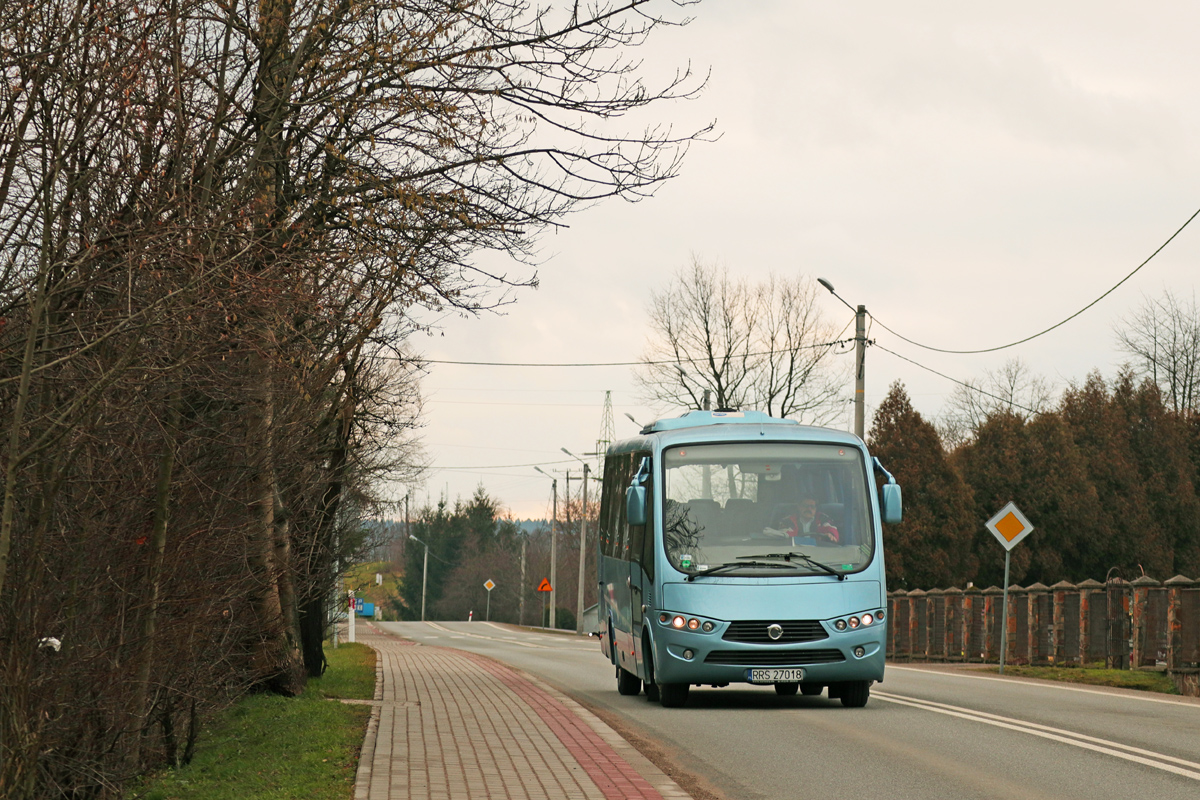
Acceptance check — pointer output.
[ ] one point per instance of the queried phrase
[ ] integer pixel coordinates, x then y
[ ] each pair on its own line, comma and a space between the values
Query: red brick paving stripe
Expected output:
615, 776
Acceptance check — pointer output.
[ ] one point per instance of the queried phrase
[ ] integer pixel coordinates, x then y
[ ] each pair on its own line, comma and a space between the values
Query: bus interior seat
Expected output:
742, 515
704, 512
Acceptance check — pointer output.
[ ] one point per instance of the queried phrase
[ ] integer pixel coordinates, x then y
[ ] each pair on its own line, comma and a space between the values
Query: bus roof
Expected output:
730, 426
696, 419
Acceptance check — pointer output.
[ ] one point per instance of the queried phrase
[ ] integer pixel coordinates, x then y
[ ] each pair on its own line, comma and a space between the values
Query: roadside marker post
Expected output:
1010, 527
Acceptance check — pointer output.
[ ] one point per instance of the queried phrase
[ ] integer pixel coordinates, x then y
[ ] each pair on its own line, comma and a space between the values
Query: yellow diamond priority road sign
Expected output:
1009, 526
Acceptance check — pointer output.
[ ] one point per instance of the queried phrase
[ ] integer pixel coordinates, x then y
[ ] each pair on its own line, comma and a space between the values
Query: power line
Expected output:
508, 466
692, 361
1052, 327
956, 380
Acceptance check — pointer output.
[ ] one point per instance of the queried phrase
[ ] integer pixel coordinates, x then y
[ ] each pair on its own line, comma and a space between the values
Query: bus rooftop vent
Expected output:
696, 419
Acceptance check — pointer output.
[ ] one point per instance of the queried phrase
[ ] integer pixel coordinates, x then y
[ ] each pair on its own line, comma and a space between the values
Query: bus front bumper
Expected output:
695, 658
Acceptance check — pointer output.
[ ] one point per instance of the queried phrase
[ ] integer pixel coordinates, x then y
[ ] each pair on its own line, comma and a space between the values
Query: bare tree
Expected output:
215, 222
1163, 337
1012, 389
718, 338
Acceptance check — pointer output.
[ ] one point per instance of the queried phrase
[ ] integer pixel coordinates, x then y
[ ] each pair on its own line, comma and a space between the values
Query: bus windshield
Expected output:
766, 508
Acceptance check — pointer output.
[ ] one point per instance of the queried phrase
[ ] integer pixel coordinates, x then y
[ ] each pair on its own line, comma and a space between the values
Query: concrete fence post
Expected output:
993, 599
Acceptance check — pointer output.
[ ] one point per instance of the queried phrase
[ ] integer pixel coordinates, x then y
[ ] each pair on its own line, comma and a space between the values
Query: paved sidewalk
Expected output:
452, 725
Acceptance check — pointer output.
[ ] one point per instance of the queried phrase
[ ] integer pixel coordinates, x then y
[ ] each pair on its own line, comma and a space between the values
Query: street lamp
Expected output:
553, 544
634, 421
582, 543
860, 355
424, 574
683, 376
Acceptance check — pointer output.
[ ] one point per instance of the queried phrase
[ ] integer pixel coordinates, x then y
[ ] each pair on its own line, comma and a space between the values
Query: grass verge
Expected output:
1120, 678
276, 747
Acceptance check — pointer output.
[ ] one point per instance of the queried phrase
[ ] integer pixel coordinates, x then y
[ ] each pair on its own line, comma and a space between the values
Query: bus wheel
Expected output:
627, 682
855, 693
652, 693
811, 689
786, 689
673, 695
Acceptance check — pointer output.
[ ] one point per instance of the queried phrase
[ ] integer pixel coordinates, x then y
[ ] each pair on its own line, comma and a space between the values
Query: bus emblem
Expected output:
775, 631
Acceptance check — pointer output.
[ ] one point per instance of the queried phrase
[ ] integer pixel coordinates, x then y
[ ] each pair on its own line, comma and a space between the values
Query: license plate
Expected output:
791, 675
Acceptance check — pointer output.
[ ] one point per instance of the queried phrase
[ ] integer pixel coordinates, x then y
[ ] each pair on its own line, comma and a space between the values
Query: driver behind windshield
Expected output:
804, 521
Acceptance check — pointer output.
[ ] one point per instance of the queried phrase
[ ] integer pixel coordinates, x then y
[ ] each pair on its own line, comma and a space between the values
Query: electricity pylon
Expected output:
607, 429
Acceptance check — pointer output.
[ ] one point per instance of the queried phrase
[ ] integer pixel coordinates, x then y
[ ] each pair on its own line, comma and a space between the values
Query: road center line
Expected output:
1145, 757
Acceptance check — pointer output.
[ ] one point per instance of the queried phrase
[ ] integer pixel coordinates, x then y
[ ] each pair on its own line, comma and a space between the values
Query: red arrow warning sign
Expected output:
544, 586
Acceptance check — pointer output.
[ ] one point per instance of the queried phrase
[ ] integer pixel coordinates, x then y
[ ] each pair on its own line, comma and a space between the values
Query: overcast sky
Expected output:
971, 174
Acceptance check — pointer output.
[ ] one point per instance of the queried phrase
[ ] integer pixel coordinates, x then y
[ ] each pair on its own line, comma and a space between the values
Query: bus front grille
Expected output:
794, 631
774, 658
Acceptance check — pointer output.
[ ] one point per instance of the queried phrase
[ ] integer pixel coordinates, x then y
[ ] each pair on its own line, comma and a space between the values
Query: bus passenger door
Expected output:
641, 566
615, 578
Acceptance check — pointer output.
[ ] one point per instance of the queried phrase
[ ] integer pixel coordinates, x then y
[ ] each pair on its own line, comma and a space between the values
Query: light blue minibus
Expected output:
740, 548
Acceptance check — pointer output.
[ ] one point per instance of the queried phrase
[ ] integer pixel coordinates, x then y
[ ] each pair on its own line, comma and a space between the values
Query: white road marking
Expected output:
1188, 769
1142, 697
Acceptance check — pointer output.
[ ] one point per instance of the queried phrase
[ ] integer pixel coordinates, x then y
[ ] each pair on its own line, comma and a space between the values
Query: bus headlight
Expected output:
681, 622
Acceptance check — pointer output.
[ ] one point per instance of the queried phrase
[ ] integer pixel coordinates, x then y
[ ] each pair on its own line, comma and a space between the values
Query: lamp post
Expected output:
634, 421
424, 574
860, 355
553, 544
582, 544
706, 405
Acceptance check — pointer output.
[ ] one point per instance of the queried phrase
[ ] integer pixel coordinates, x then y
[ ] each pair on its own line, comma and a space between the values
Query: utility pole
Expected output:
582, 553
553, 549
553, 543
860, 359
583, 518
424, 574
860, 371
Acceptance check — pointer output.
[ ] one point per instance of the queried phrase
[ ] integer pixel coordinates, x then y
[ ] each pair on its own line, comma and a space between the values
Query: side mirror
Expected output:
891, 505
635, 505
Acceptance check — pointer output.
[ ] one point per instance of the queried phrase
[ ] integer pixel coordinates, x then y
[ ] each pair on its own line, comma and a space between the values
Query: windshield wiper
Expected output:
841, 576
736, 565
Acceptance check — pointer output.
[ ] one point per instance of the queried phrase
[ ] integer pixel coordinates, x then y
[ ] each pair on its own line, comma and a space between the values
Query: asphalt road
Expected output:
926, 733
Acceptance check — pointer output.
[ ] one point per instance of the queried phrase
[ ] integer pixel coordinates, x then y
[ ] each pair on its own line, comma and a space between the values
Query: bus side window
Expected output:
614, 497
647, 548
620, 531
638, 533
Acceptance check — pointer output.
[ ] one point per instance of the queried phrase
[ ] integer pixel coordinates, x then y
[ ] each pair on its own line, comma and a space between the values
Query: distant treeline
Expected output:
471, 543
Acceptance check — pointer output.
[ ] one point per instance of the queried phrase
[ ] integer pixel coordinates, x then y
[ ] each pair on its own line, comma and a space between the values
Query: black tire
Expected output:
673, 695
811, 689
855, 693
652, 693
786, 689
628, 683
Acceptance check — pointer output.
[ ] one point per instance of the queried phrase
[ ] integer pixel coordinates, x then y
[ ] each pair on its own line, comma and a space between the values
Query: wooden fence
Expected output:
1140, 624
